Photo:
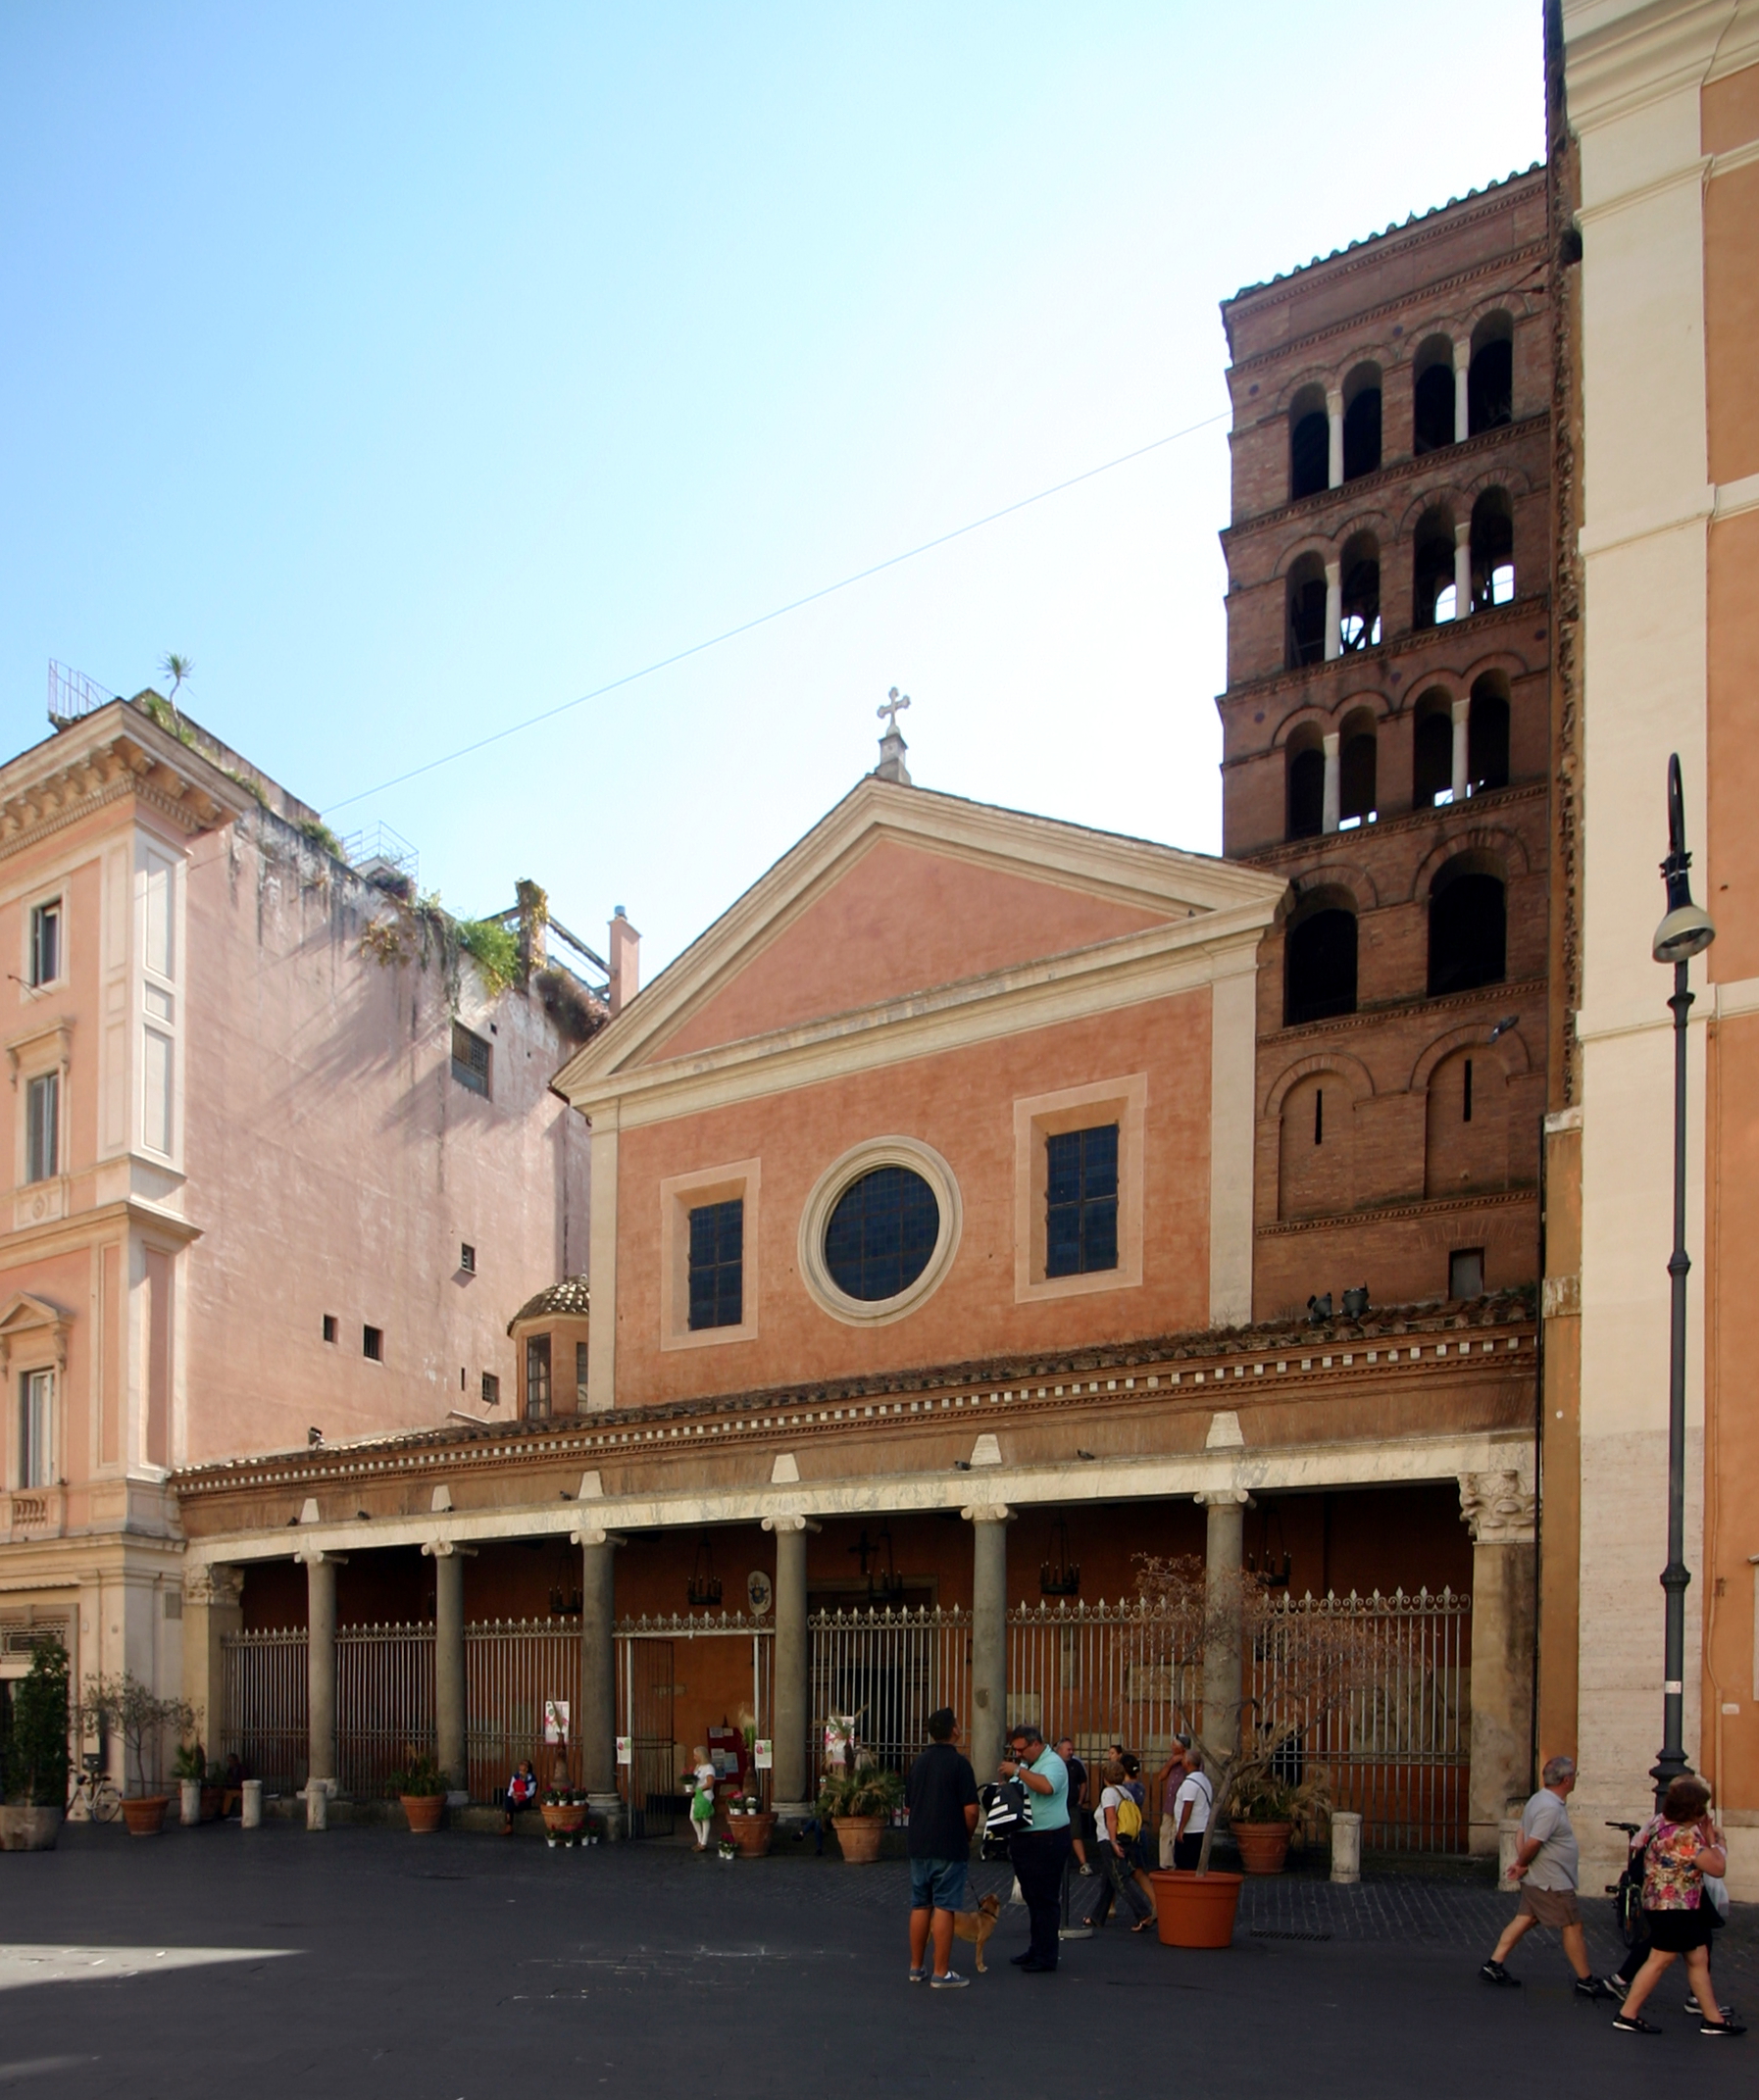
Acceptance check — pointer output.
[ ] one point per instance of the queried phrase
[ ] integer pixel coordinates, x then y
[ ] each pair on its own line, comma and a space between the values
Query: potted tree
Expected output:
860, 1803
1297, 1662
132, 1710
422, 1787
198, 1780
34, 1781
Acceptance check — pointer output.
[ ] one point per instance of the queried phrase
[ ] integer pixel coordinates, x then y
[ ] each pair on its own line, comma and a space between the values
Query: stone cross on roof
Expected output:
891, 746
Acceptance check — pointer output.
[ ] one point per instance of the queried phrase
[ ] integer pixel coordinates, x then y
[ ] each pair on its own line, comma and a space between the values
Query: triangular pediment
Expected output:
898, 893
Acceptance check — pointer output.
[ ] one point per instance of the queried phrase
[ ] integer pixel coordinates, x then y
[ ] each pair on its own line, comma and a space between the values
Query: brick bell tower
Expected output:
1387, 748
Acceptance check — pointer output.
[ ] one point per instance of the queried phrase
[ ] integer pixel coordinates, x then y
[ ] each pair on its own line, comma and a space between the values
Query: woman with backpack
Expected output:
1117, 1824
1680, 1848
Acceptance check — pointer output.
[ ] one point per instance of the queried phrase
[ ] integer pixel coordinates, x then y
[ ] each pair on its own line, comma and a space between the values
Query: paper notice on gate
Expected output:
762, 1754
626, 1749
555, 1720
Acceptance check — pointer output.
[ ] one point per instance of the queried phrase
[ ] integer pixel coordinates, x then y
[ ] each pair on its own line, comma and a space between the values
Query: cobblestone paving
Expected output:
464, 1968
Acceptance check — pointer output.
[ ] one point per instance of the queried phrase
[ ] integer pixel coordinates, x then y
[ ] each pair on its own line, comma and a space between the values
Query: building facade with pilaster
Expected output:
921, 1278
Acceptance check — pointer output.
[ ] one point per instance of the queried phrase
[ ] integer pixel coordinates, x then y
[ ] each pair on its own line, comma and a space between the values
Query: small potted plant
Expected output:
33, 1773
860, 1805
750, 1827
422, 1787
563, 1816
130, 1709
1267, 1811
190, 1768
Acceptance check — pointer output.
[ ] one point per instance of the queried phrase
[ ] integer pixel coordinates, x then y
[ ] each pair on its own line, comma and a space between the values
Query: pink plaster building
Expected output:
280, 1153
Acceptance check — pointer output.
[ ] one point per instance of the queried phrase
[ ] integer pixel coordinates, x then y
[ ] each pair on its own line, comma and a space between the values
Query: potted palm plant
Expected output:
33, 1781
422, 1787
1266, 1809
132, 1710
860, 1803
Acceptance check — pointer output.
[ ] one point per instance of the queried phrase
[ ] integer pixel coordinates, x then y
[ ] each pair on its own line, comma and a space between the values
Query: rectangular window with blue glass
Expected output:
1080, 1208
718, 1265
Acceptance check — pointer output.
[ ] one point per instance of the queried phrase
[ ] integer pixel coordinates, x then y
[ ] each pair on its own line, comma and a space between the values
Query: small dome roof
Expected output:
570, 1298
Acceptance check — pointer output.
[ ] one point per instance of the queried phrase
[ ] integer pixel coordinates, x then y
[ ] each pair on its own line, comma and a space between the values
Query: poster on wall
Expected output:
762, 1754
626, 1749
555, 1720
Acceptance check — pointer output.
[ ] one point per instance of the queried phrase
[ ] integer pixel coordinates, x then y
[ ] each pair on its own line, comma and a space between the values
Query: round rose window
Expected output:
880, 1234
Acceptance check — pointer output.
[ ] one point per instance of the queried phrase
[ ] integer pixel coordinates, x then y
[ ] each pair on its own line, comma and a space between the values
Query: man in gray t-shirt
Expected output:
1546, 1865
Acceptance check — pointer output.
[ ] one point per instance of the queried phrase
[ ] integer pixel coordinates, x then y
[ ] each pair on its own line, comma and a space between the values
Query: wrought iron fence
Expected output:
385, 1704
510, 1667
1398, 1748
263, 1703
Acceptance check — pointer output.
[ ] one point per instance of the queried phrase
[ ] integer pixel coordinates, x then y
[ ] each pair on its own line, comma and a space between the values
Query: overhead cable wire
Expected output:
781, 612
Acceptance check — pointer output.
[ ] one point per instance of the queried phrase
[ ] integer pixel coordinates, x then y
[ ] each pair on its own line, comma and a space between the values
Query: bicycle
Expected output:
94, 1798
1626, 1891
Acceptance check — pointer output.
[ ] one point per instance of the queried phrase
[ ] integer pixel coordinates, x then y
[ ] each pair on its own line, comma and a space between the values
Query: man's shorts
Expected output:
1554, 1906
937, 1884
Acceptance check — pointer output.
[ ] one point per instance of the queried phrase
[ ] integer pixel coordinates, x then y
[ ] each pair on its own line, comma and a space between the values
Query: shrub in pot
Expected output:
1267, 1812
422, 1787
860, 1803
33, 1760
749, 1826
563, 1816
128, 1707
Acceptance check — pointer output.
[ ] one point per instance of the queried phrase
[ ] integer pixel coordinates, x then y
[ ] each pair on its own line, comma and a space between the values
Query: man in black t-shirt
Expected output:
942, 1797
1080, 1809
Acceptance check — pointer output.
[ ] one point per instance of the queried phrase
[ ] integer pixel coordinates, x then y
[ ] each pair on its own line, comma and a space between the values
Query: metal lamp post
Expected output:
1686, 932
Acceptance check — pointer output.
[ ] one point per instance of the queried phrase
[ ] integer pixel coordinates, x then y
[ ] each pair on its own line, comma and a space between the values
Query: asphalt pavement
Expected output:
459, 1967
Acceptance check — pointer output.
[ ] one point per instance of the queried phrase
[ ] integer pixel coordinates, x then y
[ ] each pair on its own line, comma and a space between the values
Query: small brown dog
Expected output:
977, 1926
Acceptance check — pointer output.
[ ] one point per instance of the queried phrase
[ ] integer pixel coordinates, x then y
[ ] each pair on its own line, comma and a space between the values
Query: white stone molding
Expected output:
790, 1524
784, 1470
1497, 1507
1224, 1431
591, 1487
837, 1179
988, 1513
1222, 1497
988, 1450
441, 1499
593, 1535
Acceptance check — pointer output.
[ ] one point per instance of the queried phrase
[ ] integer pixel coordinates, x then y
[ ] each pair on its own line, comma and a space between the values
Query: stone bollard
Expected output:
1347, 1847
190, 1795
1508, 1843
317, 1807
250, 1811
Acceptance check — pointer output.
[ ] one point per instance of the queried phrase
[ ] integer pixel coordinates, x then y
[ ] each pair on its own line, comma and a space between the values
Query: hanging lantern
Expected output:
704, 1587
1059, 1576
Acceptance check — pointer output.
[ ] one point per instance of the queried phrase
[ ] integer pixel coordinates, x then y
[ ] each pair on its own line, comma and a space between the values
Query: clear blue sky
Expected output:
416, 368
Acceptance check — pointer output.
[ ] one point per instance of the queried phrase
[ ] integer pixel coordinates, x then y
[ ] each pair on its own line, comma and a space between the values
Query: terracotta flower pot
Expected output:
859, 1836
29, 1829
1197, 1910
144, 1814
564, 1821
752, 1833
423, 1811
1263, 1846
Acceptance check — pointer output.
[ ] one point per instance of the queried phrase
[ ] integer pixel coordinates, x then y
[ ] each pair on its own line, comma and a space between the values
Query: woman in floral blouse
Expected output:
1680, 1846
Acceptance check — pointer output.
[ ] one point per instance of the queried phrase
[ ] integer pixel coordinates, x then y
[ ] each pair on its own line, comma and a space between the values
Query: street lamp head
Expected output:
1686, 930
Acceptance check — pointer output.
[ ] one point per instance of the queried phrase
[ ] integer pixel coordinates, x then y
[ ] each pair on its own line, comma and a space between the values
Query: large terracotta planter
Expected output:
423, 1811
752, 1833
563, 1821
1263, 1846
859, 1836
29, 1829
144, 1814
1197, 1910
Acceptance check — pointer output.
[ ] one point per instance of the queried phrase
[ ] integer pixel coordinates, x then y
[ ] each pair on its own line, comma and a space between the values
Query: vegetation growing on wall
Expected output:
493, 948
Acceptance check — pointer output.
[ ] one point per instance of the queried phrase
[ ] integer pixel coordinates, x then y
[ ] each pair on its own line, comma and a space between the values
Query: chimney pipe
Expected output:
625, 961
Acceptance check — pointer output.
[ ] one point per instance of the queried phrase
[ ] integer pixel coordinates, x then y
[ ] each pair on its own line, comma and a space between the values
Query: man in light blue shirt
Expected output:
1039, 1853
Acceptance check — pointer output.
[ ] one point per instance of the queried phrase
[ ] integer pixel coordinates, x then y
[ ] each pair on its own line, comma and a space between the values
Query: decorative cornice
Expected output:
1413, 639
113, 756
1318, 853
1276, 1357
1372, 254
1386, 477
1403, 1213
